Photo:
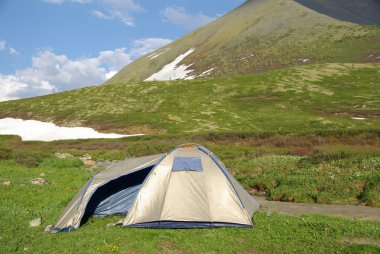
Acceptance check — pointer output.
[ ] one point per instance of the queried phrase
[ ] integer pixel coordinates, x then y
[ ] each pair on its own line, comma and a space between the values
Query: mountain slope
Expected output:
297, 99
257, 36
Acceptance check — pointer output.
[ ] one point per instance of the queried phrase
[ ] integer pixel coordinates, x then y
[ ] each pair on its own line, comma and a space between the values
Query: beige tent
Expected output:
189, 187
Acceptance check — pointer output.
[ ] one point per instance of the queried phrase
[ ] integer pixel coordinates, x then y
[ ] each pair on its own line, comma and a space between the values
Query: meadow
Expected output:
307, 134
298, 99
326, 167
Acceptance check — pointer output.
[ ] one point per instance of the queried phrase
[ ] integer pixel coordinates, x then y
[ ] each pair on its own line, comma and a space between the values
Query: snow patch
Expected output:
173, 72
358, 118
206, 73
153, 56
42, 131
303, 60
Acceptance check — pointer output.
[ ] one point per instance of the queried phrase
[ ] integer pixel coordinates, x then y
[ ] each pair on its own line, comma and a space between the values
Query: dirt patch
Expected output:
366, 115
371, 58
176, 118
261, 98
169, 246
361, 241
346, 211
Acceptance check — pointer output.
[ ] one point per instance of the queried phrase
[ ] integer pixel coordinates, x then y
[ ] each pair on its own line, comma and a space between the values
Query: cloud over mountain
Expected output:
179, 16
52, 72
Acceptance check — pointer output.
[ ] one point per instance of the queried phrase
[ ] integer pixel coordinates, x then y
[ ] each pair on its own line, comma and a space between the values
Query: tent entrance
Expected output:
117, 196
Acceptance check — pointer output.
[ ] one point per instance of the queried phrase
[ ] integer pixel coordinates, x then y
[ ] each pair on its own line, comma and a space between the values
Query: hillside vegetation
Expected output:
304, 98
262, 35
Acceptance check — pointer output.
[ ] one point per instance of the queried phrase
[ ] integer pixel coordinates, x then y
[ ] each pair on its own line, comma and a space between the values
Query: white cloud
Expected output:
118, 10
51, 72
10, 86
179, 16
61, 1
144, 46
13, 51
2, 45
100, 15
121, 10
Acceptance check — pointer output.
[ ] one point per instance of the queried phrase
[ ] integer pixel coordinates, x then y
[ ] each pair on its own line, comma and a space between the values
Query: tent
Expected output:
189, 187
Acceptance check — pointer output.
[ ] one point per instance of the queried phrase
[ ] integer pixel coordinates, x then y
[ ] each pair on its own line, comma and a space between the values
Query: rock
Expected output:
119, 222
35, 223
7, 183
38, 181
48, 228
85, 157
87, 161
63, 155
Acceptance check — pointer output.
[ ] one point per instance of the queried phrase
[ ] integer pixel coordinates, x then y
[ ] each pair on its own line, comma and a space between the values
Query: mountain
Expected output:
305, 98
365, 12
262, 35
316, 73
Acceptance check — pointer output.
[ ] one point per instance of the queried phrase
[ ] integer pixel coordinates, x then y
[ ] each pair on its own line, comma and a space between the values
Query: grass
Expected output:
299, 99
274, 233
291, 167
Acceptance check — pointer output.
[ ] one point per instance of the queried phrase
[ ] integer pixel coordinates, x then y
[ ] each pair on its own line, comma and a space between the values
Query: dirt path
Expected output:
347, 211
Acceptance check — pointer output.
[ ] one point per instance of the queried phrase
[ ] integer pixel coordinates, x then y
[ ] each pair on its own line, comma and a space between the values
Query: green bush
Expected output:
5, 153
370, 195
61, 163
28, 158
330, 153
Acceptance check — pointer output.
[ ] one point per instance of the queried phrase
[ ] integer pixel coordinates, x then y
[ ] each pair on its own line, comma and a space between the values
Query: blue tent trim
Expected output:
187, 225
187, 164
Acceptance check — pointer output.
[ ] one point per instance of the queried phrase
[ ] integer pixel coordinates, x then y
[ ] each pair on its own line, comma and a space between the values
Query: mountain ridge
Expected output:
257, 36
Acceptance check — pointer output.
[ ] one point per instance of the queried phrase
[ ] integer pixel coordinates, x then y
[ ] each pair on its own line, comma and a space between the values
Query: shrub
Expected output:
28, 158
5, 153
61, 163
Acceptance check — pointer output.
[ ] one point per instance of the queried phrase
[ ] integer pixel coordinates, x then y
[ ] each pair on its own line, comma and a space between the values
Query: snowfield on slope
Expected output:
173, 72
42, 131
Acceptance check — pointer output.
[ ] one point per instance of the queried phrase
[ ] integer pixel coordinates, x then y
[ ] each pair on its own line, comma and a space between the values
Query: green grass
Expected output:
307, 98
274, 233
288, 167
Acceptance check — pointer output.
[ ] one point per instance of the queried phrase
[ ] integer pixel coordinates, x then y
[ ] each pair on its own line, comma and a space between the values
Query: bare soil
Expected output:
346, 211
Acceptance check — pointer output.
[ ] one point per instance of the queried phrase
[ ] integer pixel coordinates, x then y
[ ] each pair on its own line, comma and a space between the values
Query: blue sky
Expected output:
49, 46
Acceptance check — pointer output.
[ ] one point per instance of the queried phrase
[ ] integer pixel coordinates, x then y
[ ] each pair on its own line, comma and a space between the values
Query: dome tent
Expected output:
189, 187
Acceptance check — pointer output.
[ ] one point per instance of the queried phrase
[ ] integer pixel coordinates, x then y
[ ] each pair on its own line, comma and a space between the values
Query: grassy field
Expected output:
327, 167
298, 99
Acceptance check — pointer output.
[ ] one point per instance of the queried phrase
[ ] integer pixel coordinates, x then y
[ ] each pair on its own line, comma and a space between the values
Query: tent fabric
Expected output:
189, 187
250, 204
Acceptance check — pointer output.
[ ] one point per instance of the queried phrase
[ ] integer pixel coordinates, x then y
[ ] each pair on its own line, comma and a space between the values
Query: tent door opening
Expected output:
116, 197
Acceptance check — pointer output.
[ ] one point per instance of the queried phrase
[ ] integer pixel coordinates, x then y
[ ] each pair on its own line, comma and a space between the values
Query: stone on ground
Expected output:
38, 181
35, 223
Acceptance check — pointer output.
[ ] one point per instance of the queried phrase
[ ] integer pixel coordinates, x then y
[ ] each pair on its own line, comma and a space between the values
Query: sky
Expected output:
48, 46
